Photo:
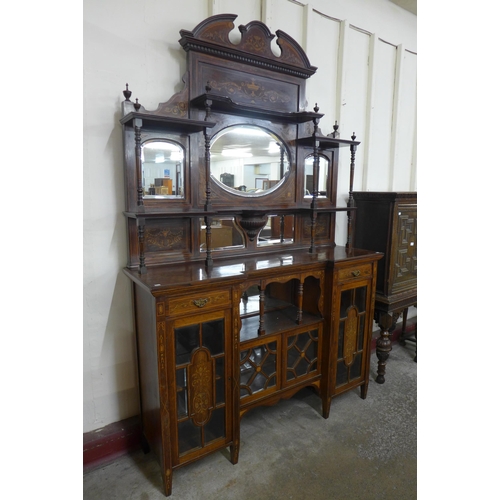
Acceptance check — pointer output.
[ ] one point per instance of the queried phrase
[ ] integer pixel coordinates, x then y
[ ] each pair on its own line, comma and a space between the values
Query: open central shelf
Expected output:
276, 321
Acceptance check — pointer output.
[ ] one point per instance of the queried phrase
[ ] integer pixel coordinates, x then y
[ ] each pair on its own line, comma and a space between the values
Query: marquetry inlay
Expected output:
160, 309
249, 90
321, 228
160, 334
350, 335
201, 386
163, 239
210, 300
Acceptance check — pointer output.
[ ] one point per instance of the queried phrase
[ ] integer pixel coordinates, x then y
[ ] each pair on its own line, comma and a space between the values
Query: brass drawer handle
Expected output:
356, 273
200, 302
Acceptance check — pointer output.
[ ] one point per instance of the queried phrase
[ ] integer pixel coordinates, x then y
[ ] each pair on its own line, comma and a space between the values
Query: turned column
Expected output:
208, 192
350, 203
387, 323
314, 193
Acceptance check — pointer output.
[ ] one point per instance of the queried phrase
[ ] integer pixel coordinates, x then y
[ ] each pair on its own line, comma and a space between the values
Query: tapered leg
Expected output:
167, 482
364, 390
326, 403
235, 452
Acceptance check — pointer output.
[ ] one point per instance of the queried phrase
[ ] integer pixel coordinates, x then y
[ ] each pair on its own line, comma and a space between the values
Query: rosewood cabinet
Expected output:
241, 296
387, 222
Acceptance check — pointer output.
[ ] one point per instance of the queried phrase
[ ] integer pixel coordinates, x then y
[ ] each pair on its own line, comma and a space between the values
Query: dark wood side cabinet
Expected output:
241, 296
387, 222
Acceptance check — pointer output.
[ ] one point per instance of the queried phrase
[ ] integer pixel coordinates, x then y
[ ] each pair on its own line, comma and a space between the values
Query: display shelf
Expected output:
163, 122
223, 104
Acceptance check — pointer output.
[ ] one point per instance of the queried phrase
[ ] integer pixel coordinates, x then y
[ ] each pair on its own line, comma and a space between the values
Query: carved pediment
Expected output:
212, 36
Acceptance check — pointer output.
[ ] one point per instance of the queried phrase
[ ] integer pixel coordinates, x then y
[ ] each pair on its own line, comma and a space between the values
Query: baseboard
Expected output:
104, 445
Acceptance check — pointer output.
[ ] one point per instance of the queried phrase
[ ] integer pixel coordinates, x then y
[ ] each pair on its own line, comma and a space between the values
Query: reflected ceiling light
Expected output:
273, 147
176, 156
240, 153
167, 146
249, 131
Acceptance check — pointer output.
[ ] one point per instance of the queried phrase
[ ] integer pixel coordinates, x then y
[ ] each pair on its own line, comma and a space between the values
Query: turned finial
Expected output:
353, 136
336, 130
316, 108
127, 93
137, 106
208, 87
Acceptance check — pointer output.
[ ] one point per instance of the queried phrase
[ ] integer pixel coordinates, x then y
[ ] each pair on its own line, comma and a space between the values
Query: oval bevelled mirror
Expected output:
162, 170
248, 160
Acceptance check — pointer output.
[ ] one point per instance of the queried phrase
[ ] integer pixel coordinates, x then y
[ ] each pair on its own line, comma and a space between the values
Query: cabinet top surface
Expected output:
389, 195
182, 274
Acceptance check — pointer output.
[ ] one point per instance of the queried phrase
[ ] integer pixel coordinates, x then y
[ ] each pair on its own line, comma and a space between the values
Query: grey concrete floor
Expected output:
366, 449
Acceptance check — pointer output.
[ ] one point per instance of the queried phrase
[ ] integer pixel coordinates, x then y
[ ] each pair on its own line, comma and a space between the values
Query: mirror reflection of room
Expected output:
225, 234
248, 160
279, 229
162, 170
322, 177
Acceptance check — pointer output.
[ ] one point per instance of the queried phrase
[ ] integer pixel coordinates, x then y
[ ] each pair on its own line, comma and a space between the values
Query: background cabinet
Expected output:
387, 222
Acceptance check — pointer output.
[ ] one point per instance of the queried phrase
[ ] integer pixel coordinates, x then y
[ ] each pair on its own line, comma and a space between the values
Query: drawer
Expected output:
199, 302
355, 272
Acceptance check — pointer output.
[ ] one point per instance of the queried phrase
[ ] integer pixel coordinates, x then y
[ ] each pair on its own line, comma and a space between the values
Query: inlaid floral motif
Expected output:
200, 374
350, 335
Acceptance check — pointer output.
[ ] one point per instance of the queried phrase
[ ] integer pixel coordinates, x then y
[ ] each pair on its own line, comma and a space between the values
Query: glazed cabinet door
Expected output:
200, 384
353, 302
351, 323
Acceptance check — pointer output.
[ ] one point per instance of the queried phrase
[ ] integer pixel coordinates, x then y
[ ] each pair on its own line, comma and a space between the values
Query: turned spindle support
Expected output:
138, 162
208, 191
315, 181
350, 203
300, 297
141, 223
262, 303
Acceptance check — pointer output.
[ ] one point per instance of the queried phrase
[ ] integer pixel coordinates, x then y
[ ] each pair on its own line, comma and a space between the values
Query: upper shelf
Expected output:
223, 104
182, 125
325, 142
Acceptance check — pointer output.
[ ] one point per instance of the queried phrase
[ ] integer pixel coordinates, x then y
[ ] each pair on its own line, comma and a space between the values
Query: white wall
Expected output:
366, 54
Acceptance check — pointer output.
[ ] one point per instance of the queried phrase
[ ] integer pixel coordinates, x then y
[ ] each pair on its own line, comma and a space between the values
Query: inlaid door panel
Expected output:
352, 315
202, 389
352, 324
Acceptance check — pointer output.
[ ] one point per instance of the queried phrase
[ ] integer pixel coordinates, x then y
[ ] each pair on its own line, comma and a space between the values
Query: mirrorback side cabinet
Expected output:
241, 295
